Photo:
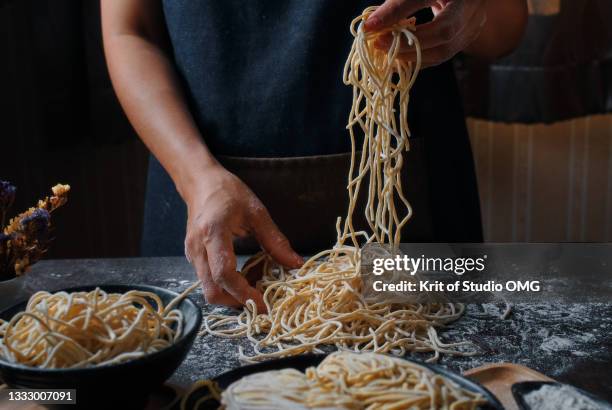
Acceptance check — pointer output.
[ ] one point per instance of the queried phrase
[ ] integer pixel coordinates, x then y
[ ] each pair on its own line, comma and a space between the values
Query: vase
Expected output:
11, 291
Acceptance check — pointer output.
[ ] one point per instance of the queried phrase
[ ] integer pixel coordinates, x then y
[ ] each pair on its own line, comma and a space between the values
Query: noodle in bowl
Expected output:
341, 380
346, 380
129, 380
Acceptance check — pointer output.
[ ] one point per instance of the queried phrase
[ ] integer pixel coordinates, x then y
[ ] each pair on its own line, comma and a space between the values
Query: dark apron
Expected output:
304, 195
263, 79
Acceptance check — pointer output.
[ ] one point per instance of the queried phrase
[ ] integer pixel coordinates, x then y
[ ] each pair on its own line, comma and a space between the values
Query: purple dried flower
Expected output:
36, 225
4, 240
26, 238
7, 195
6, 270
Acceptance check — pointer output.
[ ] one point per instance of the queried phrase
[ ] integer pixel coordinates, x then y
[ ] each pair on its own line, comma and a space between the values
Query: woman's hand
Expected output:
483, 28
220, 208
457, 23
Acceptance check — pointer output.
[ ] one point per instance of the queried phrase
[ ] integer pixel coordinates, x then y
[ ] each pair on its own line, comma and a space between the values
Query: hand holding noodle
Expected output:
482, 28
223, 208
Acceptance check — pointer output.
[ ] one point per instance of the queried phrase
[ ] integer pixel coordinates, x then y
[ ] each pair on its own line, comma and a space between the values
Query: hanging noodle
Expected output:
346, 380
379, 80
321, 303
80, 329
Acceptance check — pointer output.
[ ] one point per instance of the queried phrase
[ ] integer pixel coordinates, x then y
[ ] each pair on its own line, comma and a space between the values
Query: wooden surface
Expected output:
500, 377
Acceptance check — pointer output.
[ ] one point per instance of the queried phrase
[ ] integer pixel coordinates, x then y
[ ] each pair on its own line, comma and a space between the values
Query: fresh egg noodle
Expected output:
321, 303
81, 329
345, 380
380, 81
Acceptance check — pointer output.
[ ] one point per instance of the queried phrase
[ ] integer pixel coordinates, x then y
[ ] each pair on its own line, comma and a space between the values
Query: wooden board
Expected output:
499, 378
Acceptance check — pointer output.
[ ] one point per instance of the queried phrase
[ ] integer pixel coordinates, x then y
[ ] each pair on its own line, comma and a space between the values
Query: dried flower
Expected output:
59, 198
4, 238
4, 243
36, 225
5, 260
26, 238
7, 197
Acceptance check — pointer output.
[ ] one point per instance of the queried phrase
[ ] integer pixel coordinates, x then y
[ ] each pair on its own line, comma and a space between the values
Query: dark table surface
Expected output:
570, 343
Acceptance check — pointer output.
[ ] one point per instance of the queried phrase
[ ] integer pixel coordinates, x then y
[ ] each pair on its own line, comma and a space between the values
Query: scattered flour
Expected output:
559, 397
556, 343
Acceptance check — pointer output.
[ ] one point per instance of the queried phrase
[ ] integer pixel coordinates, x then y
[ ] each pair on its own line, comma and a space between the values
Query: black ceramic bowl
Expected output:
305, 361
118, 386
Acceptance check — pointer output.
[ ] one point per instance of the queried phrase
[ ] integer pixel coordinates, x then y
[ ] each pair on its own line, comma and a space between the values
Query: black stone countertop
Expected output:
570, 343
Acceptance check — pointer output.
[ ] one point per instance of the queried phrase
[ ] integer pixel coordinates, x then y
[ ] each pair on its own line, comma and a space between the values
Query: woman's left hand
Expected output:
456, 24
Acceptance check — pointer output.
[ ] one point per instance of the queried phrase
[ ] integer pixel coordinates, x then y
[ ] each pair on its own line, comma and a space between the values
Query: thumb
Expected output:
392, 11
273, 241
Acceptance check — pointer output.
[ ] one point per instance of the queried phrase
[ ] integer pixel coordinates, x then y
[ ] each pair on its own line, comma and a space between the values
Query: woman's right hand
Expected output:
222, 207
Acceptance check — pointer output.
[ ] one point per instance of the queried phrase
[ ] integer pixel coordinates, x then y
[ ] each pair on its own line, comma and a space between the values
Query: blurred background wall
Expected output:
545, 182
541, 136
60, 122
540, 132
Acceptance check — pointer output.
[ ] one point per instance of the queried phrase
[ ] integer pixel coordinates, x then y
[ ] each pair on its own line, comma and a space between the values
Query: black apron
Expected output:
263, 80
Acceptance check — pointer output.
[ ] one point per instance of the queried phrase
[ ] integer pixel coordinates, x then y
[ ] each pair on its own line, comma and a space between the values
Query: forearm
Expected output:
502, 31
147, 87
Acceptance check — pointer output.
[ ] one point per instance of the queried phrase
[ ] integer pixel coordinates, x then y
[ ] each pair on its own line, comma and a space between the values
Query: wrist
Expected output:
192, 181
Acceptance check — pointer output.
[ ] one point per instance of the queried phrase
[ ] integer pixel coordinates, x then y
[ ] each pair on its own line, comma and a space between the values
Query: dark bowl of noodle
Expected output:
204, 395
123, 383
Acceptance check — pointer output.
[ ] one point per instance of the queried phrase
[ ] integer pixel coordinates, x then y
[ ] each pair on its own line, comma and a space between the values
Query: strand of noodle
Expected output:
213, 393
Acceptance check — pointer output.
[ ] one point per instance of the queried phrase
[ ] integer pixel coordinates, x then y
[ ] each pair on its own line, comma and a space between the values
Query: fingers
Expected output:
453, 21
272, 240
222, 262
392, 11
455, 26
221, 284
444, 52
443, 38
384, 41
213, 293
